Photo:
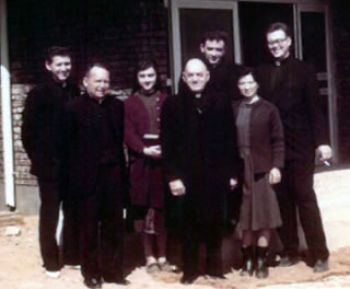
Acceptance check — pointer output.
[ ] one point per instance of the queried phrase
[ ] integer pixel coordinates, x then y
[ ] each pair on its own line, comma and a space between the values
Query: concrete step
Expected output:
10, 219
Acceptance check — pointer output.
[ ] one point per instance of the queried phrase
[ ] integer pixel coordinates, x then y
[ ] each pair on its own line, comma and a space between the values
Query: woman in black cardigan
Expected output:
261, 146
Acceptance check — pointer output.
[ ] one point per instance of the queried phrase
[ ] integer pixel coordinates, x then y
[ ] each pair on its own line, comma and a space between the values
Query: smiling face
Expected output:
147, 79
196, 75
96, 82
248, 86
213, 51
60, 67
279, 44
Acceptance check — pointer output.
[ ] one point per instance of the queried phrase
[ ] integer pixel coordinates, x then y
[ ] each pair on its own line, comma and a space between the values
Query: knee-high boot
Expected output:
262, 270
248, 261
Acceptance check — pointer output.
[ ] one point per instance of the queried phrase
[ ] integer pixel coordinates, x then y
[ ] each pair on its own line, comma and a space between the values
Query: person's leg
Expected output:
309, 213
89, 215
112, 229
263, 240
213, 235
190, 252
248, 252
71, 228
48, 220
288, 232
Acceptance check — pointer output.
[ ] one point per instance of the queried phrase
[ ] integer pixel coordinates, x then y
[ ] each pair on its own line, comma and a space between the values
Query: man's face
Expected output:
60, 67
213, 51
196, 75
147, 78
279, 44
96, 83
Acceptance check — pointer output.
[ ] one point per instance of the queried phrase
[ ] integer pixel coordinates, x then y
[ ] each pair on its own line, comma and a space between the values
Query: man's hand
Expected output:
233, 183
153, 151
177, 187
274, 176
324, 152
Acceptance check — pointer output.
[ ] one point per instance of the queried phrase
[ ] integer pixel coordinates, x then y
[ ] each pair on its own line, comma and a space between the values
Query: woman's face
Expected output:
248, 86
147, 78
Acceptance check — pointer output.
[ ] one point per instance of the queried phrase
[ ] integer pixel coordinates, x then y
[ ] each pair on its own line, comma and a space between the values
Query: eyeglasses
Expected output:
276, 41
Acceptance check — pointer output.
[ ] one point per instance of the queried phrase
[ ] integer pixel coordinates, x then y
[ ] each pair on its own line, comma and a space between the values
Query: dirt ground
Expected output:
20, 265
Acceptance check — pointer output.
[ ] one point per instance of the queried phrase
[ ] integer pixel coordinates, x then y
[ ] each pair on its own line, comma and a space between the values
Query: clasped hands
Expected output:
154, 151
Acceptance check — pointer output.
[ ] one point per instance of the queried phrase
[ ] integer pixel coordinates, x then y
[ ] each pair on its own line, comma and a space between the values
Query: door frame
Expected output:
299, 6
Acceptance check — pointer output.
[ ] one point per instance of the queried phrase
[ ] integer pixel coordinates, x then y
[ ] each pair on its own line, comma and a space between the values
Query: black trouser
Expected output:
102, 227
50, 196
296, 192
70, 232
211, 235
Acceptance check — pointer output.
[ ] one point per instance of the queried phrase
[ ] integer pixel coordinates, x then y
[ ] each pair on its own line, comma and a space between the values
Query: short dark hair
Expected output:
215, 35
93, 65
56, 51
279, 26
144, 64
246, 71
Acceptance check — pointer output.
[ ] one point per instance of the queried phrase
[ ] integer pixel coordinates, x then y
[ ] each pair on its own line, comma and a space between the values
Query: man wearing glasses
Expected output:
291, 85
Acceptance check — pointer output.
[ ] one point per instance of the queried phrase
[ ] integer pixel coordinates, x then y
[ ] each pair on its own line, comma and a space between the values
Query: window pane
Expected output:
254, 19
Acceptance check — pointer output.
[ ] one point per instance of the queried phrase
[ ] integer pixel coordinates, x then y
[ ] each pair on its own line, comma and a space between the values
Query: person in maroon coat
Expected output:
261, 146
142, 126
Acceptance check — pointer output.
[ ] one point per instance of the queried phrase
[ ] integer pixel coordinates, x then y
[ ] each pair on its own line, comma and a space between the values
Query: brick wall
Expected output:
115, 32
341, 36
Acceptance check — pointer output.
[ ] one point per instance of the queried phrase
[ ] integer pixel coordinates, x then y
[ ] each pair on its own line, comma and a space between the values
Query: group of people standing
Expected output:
236, 145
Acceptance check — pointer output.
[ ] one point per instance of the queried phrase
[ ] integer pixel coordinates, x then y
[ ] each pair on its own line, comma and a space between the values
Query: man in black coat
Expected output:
200, 160
223, 74
42, 138
95, 125
291, 85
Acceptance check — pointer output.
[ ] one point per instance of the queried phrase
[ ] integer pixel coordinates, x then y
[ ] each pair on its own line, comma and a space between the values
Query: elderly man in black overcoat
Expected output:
95, 125
292, 86
200, 164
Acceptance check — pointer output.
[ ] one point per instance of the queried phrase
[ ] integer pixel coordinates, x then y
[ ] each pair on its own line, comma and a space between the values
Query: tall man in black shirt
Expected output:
42, 138
223, 74
291, 85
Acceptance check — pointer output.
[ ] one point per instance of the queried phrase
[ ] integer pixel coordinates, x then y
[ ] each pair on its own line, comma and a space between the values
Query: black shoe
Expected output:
321, 266
262, 270
216, 276
93, 283
118, 281
288, 261
186, 280
248, 261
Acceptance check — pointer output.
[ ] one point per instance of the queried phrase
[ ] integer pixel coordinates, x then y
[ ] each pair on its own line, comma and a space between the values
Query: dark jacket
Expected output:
266, 136
42, 131
294, 91
137, 124
84, 135
200, 149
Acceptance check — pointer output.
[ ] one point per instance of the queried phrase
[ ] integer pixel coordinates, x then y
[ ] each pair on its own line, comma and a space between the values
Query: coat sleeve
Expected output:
170, 137
317, 116
132, 139
31, 128
277, 138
